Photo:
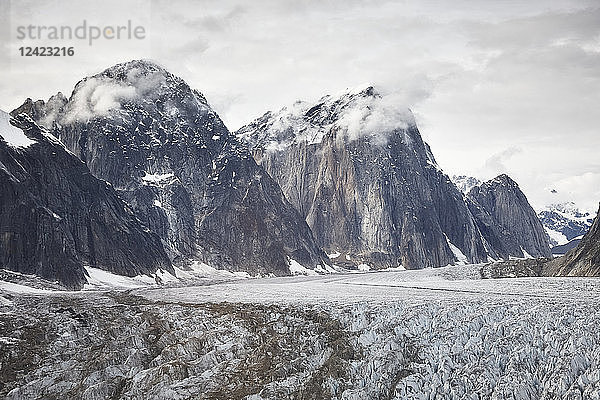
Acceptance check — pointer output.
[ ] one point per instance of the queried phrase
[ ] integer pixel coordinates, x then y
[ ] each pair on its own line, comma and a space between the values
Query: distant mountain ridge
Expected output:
564, 222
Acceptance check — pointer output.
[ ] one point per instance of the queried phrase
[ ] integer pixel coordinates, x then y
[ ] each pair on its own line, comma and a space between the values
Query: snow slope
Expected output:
11, 134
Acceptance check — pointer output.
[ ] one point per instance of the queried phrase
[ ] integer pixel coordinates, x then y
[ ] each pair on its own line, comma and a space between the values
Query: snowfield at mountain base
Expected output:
440, 333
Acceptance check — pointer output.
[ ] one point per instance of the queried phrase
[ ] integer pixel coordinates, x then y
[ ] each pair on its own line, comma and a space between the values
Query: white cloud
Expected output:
375, 116
571, 189
96, 97
496, 163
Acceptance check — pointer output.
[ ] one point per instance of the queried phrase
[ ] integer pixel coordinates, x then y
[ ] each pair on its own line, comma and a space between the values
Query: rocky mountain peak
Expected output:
142, 65
136, 87
506, 219
503, 180
357, 169
170, 156
132, 73
136, 114
349, 115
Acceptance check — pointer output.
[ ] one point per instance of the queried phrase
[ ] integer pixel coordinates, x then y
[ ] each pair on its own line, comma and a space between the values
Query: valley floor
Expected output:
432, 334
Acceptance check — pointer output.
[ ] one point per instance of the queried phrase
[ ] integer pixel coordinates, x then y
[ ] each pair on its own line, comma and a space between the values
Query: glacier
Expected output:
443, 333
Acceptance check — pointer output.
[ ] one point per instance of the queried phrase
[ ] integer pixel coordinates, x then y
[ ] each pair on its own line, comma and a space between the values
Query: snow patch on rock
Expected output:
14, 136
158, 179
557, 238
364, 267
100, 279
22, 289
298, 269
460, 256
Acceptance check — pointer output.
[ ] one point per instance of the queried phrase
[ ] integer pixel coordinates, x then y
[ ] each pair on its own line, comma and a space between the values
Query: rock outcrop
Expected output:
506, 219
562, 249
171, 158
370, 189
584, 260
56, 217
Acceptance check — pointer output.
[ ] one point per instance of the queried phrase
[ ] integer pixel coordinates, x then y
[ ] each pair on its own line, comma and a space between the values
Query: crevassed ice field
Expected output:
431, 334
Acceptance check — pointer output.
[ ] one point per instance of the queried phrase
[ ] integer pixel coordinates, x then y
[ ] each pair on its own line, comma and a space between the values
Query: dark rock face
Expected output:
563, 248
44, 113
171, 158
584, 260
56, 217
506, 220
365, 182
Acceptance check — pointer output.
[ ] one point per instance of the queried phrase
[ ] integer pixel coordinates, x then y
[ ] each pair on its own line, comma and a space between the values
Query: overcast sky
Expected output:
496, 86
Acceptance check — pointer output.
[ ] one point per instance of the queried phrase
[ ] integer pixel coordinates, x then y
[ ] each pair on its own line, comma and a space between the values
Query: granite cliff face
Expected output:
171, 158
506, 219
360, 174
56, 217
584, 260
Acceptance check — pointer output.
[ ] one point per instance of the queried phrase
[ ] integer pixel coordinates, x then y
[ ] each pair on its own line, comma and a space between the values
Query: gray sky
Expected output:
496, 86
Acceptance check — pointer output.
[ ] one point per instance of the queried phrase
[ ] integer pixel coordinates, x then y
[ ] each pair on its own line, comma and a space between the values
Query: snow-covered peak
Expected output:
503, 180
565, 221
568, 209
146, 66
12, 135
355, 113
145, 77
136, 84
465, 183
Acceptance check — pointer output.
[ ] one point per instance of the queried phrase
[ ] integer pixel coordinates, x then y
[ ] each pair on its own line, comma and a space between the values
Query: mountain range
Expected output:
566, 224
371, 190
143, 176
171, 158
583, 259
